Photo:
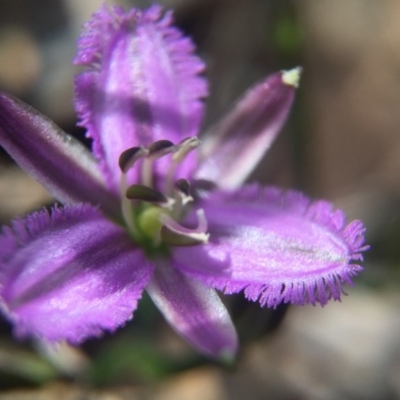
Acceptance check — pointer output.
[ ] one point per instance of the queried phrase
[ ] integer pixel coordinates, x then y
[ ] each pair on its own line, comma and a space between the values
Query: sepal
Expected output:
55, 159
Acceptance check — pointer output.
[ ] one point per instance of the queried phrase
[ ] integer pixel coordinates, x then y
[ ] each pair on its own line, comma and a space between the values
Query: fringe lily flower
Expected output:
152, 209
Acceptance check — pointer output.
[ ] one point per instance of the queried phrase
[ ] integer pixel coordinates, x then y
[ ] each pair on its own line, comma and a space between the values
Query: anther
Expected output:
155, 150
183, 186
145, 193
202, 188
130, 156
160, 148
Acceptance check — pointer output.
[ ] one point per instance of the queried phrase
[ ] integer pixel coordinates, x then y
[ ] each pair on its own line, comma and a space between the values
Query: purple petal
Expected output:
232, 148
141, 84
194, 311
56, 160
70, 275
276, 245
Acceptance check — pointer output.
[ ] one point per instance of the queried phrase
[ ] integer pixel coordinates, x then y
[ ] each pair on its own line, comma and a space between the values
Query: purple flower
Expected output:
145, 213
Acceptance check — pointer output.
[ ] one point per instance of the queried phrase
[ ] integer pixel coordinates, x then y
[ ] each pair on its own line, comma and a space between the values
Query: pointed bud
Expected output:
232, 149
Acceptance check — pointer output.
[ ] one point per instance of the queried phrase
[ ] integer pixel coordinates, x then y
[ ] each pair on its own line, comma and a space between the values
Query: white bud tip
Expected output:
292, 77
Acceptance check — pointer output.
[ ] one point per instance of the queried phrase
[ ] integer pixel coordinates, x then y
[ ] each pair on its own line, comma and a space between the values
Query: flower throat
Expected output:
152, 214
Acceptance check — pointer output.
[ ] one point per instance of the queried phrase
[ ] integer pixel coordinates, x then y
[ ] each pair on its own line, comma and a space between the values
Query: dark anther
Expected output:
130, 156
160, 148
145, 193
202, 187
183, 185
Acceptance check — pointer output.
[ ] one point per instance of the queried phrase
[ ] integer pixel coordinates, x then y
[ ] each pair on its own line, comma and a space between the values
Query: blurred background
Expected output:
342, 142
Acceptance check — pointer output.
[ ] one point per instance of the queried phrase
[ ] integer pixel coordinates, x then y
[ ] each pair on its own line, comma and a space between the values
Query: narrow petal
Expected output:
232, 148
276, 245
194, 311
56, 160
69, 275
141, 84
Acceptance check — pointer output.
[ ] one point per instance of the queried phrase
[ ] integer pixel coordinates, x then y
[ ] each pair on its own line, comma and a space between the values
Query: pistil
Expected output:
175, 234
182, 149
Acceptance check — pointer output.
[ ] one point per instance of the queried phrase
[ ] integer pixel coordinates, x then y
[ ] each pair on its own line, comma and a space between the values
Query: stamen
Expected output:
150, 195
175, 234
144, 193
156, 150
125, 162
126, 207
202, 188
182, 186
130, 156
160, 148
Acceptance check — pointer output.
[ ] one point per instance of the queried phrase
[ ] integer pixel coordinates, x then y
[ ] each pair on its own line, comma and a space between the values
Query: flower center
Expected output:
153, 215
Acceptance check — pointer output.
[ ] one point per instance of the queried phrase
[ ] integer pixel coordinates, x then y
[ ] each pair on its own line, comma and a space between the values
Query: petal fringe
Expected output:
141, 85
69, 275
276, 245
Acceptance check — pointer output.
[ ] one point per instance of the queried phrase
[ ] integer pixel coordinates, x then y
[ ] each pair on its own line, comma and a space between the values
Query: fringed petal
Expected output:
141, 84
194, 311
276, 246
69, 275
